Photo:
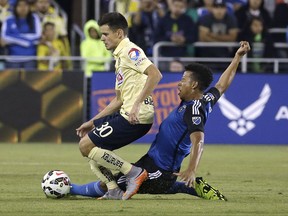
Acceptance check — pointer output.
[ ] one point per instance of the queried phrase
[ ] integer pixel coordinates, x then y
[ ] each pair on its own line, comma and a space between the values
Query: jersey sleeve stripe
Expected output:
195, 108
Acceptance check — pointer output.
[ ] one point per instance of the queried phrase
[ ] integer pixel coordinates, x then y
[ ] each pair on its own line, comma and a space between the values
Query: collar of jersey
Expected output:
121, 45
188, 102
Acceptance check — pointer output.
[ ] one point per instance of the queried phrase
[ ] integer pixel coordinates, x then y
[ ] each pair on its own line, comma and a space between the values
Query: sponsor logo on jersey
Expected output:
134, 54
196, 120
241, 121
140, 61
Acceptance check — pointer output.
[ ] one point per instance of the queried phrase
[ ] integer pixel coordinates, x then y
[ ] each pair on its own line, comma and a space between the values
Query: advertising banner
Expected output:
254, 110
38, 106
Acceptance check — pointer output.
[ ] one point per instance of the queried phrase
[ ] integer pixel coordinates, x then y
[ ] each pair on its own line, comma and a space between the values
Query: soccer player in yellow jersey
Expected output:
129, 115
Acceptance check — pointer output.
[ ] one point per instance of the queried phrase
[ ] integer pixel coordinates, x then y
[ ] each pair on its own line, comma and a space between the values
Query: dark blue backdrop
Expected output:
254, 110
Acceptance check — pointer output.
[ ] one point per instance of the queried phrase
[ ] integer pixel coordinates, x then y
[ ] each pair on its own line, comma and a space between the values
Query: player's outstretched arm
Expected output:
229, 74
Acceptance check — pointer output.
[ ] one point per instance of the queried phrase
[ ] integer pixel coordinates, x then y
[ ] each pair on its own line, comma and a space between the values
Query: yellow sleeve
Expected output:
61, 48
42, 51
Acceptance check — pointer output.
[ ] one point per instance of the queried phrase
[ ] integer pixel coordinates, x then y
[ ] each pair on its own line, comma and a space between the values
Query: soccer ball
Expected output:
56, 184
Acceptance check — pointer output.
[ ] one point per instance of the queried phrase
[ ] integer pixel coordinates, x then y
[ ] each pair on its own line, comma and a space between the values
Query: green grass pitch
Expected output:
254, 179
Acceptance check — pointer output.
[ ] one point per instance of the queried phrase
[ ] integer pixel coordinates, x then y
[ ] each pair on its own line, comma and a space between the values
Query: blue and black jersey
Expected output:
172, 143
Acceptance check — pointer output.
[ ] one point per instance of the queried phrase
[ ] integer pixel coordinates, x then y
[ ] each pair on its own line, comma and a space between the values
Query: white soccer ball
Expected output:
56, 184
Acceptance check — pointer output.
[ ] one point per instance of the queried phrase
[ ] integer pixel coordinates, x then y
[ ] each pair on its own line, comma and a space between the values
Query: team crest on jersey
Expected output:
120, 78
134, 54
182, 108
196, 120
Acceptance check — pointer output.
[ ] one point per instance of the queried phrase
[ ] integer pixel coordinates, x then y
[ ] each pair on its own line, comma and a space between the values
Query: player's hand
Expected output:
84, 129
187, 176
134, 113
243, 49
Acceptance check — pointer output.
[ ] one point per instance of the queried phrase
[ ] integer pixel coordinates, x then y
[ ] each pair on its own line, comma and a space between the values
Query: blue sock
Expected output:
92, 189
180, 187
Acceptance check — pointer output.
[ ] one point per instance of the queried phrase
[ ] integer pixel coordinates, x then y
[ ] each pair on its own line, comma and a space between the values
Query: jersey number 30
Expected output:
104, 130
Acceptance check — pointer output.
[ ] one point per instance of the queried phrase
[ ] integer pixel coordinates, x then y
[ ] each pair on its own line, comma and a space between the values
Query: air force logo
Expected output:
242, 120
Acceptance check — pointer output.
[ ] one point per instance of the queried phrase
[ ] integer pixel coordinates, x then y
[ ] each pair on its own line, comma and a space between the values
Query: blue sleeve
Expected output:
212, 95
33, 36
14, 36
197, 114
194, 118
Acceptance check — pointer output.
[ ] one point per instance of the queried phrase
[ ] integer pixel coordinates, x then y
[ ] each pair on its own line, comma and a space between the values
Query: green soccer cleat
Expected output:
206, 191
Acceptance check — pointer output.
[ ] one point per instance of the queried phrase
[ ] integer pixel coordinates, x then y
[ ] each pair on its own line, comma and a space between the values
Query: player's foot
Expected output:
206, 191
114, 194
134, 182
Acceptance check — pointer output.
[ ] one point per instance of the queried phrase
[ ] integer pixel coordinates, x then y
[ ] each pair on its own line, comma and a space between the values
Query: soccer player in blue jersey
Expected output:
182, 134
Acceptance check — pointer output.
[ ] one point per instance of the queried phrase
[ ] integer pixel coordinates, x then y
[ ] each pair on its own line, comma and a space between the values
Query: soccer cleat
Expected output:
206, 191
134, 183
114, 194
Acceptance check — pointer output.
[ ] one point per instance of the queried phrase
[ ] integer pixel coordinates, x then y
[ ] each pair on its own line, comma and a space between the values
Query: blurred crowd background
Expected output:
64, 35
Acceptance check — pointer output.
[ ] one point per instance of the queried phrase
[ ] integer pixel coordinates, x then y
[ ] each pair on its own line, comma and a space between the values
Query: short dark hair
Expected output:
200, 73
48, 24
115, 21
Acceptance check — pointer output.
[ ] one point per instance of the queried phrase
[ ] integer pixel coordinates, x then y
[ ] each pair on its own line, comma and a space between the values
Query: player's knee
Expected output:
85, 146
103, 186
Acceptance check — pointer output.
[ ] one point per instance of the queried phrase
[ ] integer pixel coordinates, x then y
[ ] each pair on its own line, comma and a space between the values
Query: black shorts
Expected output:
158, 182
114, 131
